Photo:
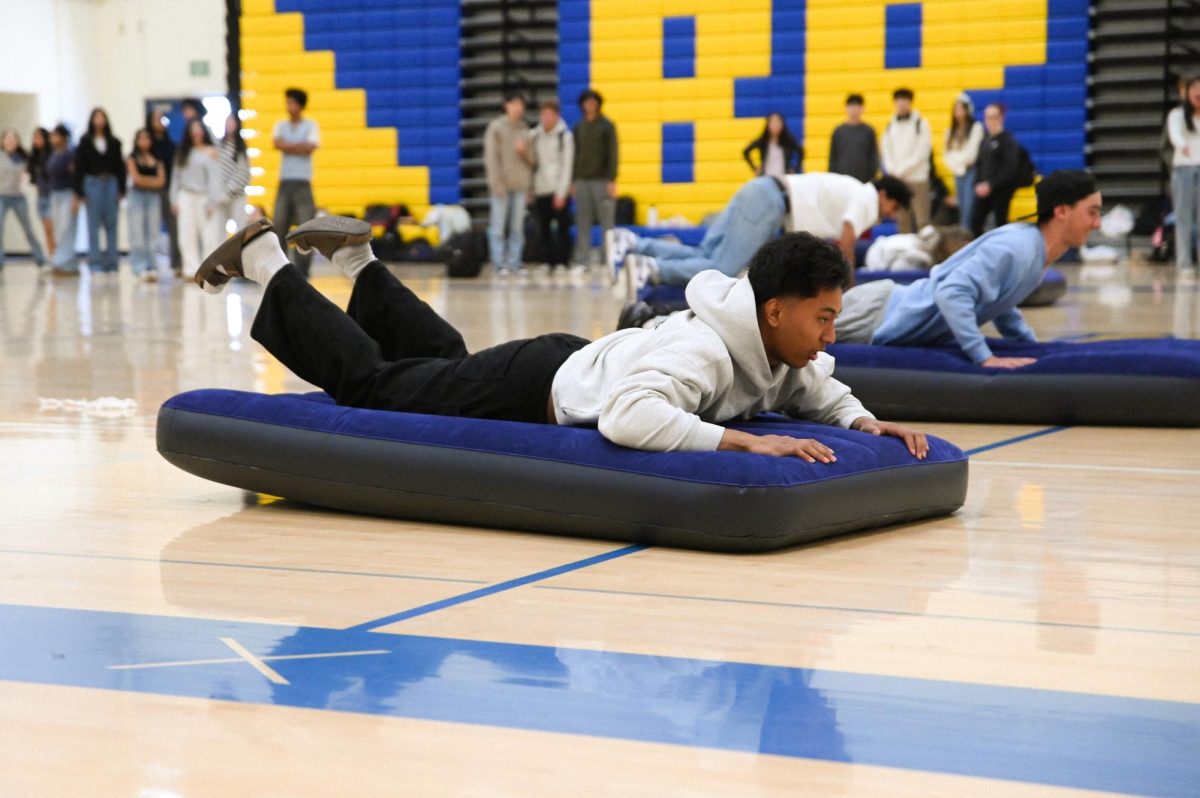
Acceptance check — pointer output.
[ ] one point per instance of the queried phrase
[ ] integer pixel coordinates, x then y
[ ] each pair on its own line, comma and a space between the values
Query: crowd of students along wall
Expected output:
687, 83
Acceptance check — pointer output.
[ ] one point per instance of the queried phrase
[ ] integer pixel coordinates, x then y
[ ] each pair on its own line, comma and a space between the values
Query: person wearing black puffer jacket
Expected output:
996, 171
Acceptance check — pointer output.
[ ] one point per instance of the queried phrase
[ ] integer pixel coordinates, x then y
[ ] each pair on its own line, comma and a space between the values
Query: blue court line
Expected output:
1017, 439
1080, 740
871, 611
499, 587
241, 565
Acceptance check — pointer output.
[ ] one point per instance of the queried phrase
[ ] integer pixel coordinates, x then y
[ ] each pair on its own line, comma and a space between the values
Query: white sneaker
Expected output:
617, 244
640, 271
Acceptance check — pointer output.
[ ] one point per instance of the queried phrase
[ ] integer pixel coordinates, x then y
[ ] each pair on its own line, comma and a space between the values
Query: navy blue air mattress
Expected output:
1149, 382
670, 298
562, 480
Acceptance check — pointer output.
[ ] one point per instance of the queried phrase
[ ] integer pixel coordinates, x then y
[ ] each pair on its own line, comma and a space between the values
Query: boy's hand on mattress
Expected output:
917, 443
994, 362
776, 446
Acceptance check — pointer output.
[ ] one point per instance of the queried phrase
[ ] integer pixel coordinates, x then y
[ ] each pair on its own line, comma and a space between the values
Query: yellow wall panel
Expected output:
355, 165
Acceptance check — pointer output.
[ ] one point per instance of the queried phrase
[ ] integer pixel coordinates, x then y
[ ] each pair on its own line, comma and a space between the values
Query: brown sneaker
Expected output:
327, 234
225, 261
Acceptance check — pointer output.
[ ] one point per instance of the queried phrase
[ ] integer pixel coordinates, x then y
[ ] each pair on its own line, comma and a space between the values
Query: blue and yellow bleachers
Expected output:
688, 83
383, 84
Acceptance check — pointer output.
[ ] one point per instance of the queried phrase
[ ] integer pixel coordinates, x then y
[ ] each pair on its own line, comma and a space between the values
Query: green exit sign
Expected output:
199, 69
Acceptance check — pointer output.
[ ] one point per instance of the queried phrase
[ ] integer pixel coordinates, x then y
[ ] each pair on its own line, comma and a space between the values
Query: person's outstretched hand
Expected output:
777, 446
918, 445
994, 362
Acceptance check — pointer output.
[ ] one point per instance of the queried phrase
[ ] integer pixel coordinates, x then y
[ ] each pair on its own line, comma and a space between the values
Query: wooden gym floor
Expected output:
1045, 640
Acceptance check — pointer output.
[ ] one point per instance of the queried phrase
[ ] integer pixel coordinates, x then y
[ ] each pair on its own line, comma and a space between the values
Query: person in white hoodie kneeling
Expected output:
746, 346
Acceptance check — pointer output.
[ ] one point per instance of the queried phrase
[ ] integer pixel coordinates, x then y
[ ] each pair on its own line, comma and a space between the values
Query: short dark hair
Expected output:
999, 106
194, 104
1062, 187
62, 130
854, 99
513, 94
299, 95
590, 94
796, 265
902, 93
895, 188
552, 103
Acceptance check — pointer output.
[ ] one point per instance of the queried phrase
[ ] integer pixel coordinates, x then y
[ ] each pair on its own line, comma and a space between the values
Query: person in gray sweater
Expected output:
509, 168
13, 166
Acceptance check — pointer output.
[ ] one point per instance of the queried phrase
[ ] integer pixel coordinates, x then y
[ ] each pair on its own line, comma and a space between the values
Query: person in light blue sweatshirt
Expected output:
984, 282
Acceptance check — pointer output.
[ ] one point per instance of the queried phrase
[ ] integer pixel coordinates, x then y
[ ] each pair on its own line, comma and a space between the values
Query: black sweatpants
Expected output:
995, 203
554, 229
391, 351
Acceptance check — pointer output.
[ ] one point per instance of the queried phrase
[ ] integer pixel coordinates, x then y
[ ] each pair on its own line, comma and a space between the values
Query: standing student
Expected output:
235, 173
164, 150
962, 150
147, 176
100, 183
553, 149
507, 162
595, 174
60, 171
297, 137
907, 147
853, 149
13, 166
996, 173
39, 154
1183, 130
779, 154
196, 194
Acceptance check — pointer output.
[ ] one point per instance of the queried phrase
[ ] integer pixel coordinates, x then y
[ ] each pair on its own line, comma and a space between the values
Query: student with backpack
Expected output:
1001, 168
553, 149
907, 147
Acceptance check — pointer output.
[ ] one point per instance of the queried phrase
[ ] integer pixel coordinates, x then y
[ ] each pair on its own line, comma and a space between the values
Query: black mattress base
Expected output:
479, 488
1013, 398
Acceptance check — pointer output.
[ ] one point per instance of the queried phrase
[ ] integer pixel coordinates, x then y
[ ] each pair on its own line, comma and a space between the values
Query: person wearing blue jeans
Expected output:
12, 194
100, 182
148, 175
753, 216
62, 201
1183, 130
509, 167
506, 230
830, 206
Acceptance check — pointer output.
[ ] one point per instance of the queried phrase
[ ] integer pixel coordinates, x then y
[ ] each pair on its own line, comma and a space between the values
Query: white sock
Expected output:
262, 258
353, 259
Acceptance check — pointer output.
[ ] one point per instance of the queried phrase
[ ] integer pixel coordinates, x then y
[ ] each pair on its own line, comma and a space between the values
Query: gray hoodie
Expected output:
671, 387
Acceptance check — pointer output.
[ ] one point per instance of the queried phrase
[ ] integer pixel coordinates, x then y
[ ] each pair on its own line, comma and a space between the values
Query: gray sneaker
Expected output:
328, 234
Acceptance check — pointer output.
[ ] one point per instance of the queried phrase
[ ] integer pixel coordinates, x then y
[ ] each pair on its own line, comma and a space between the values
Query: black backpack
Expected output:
1026, 170
464, 254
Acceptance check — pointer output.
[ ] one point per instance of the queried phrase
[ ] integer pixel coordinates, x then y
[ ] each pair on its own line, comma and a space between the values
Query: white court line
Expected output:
1186, 472
227, 660
255, 662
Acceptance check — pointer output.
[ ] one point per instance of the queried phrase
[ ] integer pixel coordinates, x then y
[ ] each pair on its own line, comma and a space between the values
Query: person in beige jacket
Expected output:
906, 149
509, 167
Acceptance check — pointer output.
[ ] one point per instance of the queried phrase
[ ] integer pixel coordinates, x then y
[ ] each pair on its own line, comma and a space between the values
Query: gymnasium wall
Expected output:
687, 83
382, 79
